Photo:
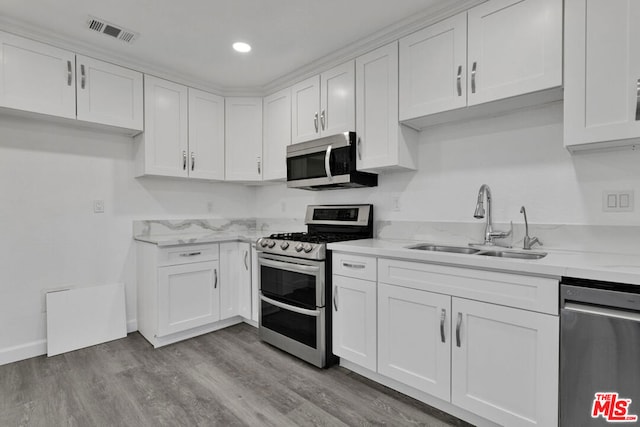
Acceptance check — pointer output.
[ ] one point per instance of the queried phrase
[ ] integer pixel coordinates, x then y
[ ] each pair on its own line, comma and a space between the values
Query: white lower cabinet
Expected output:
447, 332
188, 296
419, 356
504, 364
354, 320
189, 290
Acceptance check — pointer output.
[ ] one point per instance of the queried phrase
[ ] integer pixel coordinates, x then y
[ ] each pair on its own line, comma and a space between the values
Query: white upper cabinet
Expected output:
109, 94
324, 105
382, 142
276, 134
243, 139
497, 50
602, 70
514, 47
37, 77
433, 68
163, 147
206, 135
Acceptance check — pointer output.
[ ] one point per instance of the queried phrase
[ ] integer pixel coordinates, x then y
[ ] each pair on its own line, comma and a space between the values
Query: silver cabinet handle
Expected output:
458, 325
322, 119
638, 100
193, 160
443, 316
259, 167
335, 297
359, 148
315, 121
473, 77
186, 254
215, 275
350, 265
184, 160
69, 73
246, 263
327, 163
83, 77
459, 80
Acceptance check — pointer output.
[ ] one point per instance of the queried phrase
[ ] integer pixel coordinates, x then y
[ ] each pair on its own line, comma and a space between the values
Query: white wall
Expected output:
520, 155
49, 176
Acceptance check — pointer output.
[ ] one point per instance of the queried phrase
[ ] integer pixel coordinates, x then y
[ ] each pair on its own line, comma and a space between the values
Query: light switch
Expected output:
624, 200
617, 201
612, 201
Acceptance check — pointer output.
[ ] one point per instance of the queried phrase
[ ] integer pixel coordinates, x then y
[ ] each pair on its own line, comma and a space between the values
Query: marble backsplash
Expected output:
586, 238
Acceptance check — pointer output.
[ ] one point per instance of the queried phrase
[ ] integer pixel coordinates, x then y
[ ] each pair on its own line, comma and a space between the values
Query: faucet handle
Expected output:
502, 234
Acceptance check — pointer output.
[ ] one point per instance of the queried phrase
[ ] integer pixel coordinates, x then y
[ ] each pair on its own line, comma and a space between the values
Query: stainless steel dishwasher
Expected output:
599, 353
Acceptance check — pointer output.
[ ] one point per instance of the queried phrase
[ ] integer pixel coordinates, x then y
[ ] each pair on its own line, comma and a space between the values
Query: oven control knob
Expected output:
264, 243
299, 247
271, 243
308, 248
284, 245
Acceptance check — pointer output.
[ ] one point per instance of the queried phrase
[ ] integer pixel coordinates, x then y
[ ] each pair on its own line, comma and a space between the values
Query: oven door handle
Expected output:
304, 311
289, 266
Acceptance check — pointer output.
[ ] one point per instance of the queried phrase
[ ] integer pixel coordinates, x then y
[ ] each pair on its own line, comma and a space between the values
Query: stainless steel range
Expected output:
295, 280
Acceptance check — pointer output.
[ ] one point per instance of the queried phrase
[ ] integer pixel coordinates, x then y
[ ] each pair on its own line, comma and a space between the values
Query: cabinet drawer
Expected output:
360, 267
514, 290
187, 254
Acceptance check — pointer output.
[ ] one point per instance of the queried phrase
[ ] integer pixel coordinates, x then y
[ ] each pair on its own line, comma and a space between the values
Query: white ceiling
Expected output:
193, 38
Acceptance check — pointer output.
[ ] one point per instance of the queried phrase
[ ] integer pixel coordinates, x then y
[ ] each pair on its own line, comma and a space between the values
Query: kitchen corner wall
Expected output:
50, 174
520, 155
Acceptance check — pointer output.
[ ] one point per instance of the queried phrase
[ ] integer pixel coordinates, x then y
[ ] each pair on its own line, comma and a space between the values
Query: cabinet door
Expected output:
165, 137
277, 134
244, 280
505, 364
235, 280
109, 94
382, 142
243, 139
206, 135
414, 338
36, 77
433, 68
305, 110
188, 296
602, 69
337, 100
354, 320
514, 47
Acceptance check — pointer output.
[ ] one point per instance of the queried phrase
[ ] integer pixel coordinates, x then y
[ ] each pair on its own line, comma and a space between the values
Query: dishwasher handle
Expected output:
602, 311
610, 296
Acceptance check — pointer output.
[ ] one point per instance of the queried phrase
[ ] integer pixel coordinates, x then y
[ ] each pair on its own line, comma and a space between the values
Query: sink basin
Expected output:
513, 254
478, 251
442, 248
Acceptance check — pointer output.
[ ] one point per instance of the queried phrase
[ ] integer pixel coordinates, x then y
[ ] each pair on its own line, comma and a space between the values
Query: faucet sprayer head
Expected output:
479, 213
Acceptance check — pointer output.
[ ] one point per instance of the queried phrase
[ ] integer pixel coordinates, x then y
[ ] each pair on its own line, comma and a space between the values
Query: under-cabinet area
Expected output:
485, 342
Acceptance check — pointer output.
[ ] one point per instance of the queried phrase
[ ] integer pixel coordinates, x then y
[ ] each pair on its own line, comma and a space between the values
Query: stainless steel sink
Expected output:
494, 252
514, 254
442, 248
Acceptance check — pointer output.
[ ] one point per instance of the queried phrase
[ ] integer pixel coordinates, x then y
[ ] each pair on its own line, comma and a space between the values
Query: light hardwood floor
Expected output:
225, 378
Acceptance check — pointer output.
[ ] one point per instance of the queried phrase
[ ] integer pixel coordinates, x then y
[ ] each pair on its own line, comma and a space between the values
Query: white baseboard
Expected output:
23, 351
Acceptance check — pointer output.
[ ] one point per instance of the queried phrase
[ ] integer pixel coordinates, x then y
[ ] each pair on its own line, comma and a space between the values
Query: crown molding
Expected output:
380, 38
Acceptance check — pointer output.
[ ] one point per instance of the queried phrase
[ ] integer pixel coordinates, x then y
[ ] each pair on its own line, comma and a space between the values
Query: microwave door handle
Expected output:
327, 163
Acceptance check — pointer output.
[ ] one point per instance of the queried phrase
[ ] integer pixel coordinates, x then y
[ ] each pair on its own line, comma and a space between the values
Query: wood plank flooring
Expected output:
225, 378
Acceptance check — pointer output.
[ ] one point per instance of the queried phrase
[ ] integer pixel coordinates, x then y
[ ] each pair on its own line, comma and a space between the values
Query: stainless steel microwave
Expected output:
326, 163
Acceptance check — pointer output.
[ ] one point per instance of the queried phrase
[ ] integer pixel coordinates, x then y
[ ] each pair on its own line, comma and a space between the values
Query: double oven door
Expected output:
292, 313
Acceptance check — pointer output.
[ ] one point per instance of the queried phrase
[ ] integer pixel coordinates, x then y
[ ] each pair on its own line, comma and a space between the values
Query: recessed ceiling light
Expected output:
242, 47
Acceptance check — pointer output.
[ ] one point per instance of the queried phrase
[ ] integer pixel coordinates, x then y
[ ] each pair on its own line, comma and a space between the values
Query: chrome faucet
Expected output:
528, 241
489, 233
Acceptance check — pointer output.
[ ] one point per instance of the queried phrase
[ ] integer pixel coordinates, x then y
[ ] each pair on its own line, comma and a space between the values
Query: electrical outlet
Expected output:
98, 206
617, 201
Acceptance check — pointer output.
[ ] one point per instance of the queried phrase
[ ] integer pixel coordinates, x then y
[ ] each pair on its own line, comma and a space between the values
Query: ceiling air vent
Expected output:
112, 30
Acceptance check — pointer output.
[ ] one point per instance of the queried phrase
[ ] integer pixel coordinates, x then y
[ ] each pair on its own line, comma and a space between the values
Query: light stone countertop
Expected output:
198, 238
623, 268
